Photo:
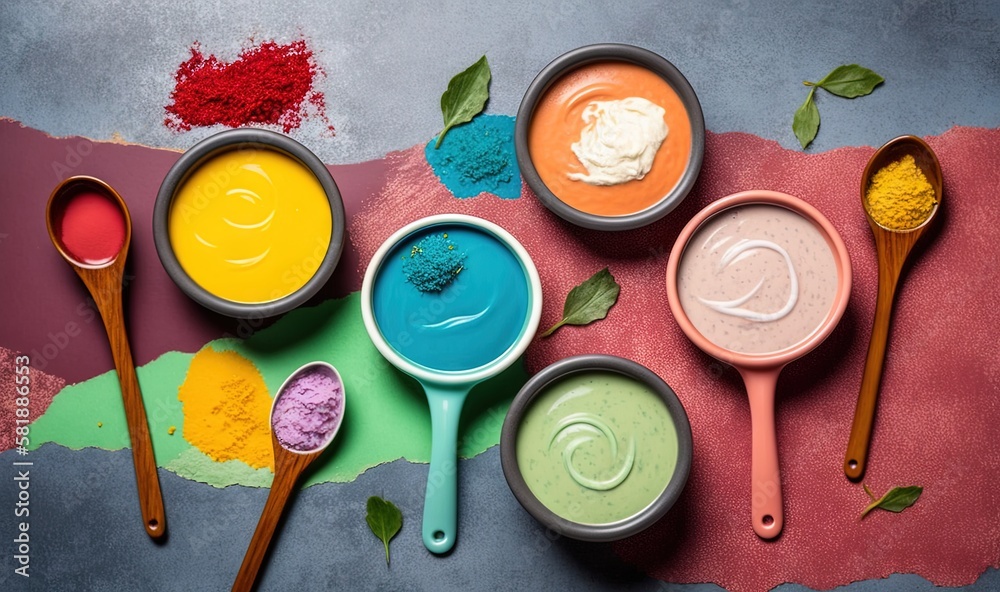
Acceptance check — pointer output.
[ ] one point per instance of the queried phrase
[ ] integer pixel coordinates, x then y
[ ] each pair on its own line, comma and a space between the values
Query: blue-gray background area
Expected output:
86, 534
98, 68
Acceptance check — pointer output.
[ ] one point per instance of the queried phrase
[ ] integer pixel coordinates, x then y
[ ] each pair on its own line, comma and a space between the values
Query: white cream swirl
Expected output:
733, 307
582, 428
619, 141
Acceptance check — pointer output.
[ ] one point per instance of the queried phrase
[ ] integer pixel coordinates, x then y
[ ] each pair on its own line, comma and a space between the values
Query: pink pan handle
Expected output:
765, 474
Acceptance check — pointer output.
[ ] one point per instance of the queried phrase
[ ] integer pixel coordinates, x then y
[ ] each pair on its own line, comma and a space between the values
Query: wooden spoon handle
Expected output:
281, 488
864, 414
148, 482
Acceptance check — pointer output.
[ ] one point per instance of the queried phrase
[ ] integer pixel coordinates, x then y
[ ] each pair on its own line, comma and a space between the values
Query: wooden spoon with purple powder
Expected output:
305, 417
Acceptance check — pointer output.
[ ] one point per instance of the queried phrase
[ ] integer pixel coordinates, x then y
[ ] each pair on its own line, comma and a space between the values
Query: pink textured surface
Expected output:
42, 388
938, 419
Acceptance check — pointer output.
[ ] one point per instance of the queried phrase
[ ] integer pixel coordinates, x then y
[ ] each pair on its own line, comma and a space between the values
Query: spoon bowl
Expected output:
290, 461
892, 151
893, 248
94, 238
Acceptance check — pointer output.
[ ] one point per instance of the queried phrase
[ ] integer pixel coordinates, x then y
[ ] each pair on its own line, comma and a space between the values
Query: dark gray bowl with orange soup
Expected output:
610, 136
596, 447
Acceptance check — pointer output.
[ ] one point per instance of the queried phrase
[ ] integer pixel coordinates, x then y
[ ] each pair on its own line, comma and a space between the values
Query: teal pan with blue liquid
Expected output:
451, 300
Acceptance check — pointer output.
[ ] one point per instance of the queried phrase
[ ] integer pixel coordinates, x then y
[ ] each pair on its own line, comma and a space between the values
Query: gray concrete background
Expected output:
88, 536
97, 68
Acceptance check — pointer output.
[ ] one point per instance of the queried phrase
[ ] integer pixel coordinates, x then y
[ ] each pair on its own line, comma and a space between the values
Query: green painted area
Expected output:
386, 416
73, 416
196, 465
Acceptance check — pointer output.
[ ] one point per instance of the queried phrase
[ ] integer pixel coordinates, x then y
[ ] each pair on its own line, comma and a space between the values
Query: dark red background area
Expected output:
938, 418
52, 304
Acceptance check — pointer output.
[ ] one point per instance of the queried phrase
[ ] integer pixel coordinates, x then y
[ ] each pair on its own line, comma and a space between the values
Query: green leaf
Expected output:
589, 301
805, 124
385, 520
850, 81
896, 500
466, 96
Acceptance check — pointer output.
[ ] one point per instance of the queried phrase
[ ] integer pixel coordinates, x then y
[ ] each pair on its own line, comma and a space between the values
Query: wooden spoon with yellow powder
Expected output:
901, 194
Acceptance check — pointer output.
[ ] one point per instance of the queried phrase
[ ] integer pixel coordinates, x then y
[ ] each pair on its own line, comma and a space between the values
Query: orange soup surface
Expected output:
558, 121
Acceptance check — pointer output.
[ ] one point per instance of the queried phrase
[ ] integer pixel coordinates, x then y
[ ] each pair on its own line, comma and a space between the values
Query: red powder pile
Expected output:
267, 84
91, 228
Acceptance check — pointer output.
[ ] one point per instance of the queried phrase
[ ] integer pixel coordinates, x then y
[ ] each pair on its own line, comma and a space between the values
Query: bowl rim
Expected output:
615, 52
450, 377
242, 139
596, 532
799, 206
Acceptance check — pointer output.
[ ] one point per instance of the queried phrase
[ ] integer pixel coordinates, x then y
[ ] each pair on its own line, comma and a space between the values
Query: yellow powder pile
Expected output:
899, 195
227, 408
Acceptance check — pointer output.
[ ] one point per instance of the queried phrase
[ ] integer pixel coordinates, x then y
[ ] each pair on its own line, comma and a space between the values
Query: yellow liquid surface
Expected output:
250, 226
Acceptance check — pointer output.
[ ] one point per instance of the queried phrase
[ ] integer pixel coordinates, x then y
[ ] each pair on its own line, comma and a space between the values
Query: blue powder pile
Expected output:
433, 263
478, 157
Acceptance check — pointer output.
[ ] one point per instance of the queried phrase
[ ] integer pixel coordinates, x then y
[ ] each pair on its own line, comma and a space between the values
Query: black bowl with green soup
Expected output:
596, 447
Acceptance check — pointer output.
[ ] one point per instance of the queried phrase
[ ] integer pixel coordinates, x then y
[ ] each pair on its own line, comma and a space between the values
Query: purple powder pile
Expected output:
309, 410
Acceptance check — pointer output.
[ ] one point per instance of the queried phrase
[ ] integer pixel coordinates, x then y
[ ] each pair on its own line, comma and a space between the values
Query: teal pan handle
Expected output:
441, 500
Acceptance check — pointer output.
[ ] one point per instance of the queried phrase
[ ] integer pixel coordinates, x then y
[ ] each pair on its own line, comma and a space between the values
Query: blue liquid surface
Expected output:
473, 321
